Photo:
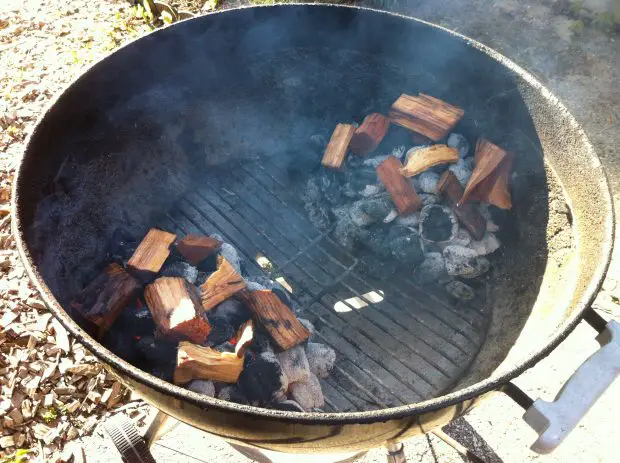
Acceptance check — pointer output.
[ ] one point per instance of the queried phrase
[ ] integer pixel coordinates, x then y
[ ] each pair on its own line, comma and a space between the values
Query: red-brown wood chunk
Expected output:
403, 195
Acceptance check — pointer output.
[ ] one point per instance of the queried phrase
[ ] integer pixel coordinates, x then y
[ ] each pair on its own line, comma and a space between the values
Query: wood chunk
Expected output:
244, 337
196, 362
425, 158
221, 284
403, 195
196, 248
277, 319
469, 215
151, 254
369, 134
103, 300
425, 114
489, 181
176, 309
337, 147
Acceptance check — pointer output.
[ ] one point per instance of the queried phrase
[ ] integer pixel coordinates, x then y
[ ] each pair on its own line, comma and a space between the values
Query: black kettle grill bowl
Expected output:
244, 90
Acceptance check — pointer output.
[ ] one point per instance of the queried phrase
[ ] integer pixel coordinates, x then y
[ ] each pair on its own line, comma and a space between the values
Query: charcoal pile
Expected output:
424, 206
181, 309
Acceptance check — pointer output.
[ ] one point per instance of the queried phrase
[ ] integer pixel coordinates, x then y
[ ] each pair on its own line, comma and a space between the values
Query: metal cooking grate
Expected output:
412, 345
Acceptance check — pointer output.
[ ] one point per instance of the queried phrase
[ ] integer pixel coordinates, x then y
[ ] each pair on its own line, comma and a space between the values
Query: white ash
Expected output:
463, 170
428, 199
375, 161
458, 141
397, 153
428, 182
371, 190
294, 364
365, 212
321, 359
460, 290
464, 262
462, 238
411, 220
308, 394
229, 252
391, 216
202, 387
180, 269
254, 286
226, 393
432, 268
487, 245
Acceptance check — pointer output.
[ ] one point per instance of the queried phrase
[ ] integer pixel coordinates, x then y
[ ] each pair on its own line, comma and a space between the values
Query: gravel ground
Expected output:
44, 44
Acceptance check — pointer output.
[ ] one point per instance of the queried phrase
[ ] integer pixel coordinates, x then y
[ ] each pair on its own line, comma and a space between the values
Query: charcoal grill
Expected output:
202, 127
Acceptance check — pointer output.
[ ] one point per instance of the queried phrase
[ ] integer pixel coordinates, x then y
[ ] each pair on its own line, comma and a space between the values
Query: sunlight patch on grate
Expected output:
371, 297
268, 266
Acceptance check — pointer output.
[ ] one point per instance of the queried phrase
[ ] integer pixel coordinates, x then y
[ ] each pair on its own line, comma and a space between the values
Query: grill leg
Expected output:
396, 452
160, 425
463, 451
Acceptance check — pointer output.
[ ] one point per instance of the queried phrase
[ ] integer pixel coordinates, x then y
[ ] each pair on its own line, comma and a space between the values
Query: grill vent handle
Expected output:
553, 421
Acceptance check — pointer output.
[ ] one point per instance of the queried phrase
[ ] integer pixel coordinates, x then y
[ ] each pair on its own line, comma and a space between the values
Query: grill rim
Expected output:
492, 383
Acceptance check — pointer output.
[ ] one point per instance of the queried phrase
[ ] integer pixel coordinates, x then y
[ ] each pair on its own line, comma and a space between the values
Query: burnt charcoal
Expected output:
438, 223
460, 290
180, 269
206, 266
427, 182
405, 245
366, 212
356, 179
464, 262
315, 205
321, 359
375, 239
347, 234
463, 170
221, 331
201, 386
163, 372
458, 141
123, 344
331, 186
156, 351
395, 137
121, 246
135, 320
232, 393
262, 380
381, 269
231, 310
432, 269
202, 276
261, 342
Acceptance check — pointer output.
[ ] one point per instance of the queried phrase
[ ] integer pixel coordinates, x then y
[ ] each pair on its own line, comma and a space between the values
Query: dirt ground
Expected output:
572, 47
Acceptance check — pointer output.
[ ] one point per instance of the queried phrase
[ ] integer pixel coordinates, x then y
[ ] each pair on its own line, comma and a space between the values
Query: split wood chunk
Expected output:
425, 114
337, 147
151, 254
369, 134
469, 215
489, 181
425, 158
403, 195
277, 319
221, 284
244, 337
177, 310
196, 248
103, 300
196, 362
